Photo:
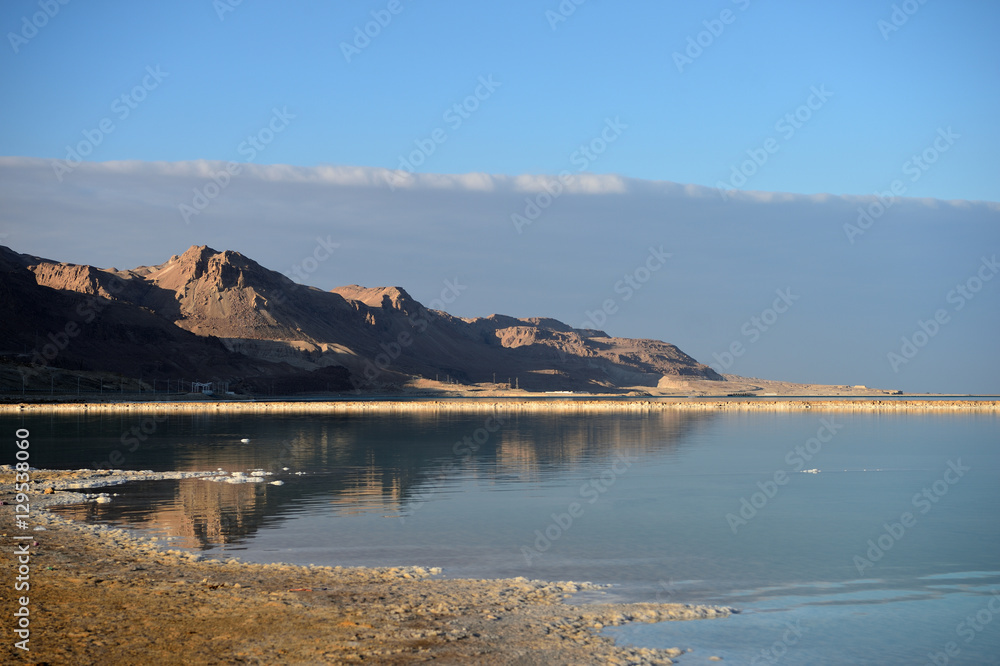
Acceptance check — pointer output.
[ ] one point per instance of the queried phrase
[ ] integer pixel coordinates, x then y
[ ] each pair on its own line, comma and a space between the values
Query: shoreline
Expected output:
85, 578
476, 405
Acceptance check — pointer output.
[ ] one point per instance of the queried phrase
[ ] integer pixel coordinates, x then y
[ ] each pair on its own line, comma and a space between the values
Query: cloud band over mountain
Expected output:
861, 293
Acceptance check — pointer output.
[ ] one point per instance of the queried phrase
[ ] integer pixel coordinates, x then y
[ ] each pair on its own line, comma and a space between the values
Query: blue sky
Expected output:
889, 96
799, 98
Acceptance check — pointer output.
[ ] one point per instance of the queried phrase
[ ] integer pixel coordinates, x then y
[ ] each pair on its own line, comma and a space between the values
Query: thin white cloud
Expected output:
354, 176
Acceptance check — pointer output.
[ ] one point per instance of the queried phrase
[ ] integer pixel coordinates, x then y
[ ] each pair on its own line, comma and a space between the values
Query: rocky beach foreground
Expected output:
101, 595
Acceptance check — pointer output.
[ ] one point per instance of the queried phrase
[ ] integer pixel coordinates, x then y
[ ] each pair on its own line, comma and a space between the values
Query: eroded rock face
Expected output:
380, 335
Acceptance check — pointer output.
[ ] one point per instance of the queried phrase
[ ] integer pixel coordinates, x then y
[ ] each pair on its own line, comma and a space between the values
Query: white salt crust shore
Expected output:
937, 406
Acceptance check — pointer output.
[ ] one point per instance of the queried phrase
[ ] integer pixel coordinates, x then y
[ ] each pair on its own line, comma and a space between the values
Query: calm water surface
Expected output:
888, 554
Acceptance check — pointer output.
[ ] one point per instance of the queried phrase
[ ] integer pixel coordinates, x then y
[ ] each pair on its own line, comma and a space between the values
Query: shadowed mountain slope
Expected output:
263, 322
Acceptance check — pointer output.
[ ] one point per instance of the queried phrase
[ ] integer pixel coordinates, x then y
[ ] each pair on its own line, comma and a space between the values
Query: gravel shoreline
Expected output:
106, 595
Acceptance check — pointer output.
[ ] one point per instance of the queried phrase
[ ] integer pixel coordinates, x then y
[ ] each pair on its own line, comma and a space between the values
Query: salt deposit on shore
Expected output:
516, 405
86, 580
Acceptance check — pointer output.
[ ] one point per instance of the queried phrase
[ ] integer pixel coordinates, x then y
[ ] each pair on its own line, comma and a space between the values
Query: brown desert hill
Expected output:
203, 291
543, 353
382, 336
84, 326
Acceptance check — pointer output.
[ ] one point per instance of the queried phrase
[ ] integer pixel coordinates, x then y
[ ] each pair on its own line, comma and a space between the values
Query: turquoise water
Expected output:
889, 554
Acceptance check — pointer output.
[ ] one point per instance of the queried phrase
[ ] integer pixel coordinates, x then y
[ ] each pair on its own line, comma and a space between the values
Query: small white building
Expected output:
202, 387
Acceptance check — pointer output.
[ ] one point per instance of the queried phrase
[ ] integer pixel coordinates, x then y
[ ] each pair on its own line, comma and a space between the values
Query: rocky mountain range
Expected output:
220, 316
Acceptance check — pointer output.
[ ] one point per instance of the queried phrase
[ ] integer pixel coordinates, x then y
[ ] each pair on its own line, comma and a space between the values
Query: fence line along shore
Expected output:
516, 405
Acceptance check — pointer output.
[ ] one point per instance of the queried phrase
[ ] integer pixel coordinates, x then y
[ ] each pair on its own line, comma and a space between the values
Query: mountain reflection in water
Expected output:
357, 464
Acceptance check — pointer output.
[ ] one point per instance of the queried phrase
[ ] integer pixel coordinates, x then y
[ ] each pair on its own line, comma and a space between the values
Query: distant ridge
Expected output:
241, 320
